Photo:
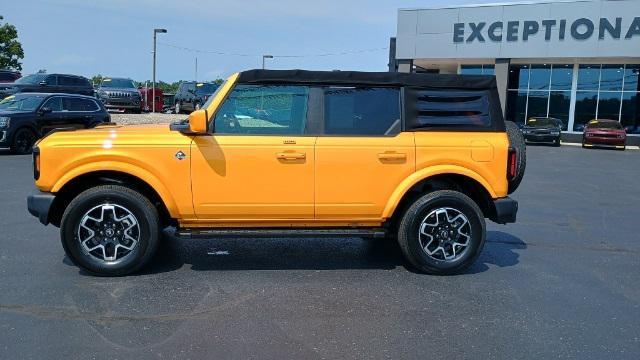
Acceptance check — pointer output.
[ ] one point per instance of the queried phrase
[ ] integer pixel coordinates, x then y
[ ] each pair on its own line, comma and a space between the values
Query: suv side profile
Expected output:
26, 117
420, 158
51, 83
191, 95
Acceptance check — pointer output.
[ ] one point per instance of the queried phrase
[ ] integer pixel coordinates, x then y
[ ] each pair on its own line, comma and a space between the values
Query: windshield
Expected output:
21, 102
32, 79
206, 88
542, 122
604, 124
213, 96
117, 83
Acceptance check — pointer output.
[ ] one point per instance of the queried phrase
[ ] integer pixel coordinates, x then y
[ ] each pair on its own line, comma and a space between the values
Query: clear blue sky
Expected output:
114, 37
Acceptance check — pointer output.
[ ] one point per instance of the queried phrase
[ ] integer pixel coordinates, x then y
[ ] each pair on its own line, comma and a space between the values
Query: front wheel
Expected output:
23, 141
110, 230
442, 233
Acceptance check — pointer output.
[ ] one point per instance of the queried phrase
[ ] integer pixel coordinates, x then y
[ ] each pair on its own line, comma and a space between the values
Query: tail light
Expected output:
512, 164
36, 163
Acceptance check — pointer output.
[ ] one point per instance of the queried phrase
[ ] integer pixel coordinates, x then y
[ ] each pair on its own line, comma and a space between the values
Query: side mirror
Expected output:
44, 110
199, 122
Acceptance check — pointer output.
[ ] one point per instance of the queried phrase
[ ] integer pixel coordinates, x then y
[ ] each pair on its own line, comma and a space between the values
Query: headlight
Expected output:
4, 122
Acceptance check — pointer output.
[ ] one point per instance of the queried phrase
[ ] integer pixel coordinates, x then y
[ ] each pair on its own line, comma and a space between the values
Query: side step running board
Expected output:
271, 233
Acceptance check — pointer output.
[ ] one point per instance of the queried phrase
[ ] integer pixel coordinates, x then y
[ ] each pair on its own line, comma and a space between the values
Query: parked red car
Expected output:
604, 133
147, 99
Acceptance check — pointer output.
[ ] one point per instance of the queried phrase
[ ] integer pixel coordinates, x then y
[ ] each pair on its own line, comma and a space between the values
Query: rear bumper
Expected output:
39, 205
506, 210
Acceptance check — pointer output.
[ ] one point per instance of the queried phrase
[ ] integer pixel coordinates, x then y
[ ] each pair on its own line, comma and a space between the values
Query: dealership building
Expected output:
573, 60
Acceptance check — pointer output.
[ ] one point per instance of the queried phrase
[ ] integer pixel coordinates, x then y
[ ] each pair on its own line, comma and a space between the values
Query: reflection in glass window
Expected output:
539, 77
611, 77
588, 77
538, 102
631, 111
559, 106
631, 78
471, 69
561, 77
516, 106
519, 77
263, 110
362, 111
586, 105
609, 105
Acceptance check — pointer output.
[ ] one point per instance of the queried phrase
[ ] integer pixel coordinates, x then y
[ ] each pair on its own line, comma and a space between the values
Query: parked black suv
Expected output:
28, 116
191, 95
120, 94
542, 130
49, 83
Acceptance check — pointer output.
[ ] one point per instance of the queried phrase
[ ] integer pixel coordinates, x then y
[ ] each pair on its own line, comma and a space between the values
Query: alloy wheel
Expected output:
445, 234
108, 232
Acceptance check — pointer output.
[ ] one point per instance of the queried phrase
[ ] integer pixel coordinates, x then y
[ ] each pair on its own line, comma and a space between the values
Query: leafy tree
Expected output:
10, 48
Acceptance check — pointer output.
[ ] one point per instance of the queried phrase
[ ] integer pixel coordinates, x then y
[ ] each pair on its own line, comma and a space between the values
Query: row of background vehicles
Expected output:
596, 133
34, 105
117, 94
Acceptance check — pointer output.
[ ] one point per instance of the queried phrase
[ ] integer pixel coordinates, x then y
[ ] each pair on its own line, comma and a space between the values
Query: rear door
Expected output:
362, 155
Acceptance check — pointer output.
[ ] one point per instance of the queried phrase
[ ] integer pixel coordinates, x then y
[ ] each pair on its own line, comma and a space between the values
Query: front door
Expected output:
362, 155
258, 166
53, 117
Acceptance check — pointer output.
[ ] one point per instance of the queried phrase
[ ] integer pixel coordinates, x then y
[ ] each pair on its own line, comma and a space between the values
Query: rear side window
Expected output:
468, 109
365, 111
79, 104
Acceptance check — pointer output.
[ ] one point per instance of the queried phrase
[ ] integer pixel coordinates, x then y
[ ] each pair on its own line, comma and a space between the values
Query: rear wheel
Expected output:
23, 141
110, 230
442, 233
516, 141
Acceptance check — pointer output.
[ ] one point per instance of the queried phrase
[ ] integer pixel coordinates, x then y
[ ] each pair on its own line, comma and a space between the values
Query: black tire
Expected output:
516, 141
409, 227
557, 143
138, 205
23, 141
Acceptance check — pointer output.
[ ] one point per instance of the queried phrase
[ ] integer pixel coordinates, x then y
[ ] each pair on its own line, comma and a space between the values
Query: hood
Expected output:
111, 137
604, 130
540, 127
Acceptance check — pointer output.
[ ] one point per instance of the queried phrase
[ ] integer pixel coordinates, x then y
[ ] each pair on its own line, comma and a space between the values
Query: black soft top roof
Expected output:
477, 82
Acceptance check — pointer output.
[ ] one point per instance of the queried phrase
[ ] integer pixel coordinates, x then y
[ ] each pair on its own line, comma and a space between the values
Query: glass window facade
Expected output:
608, 91
477, 69
539, 90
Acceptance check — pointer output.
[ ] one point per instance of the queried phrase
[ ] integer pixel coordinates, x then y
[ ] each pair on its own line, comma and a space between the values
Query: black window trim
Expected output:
62, 97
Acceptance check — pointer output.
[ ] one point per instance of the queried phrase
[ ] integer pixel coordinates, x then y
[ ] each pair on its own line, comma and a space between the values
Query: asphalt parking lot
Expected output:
564, 282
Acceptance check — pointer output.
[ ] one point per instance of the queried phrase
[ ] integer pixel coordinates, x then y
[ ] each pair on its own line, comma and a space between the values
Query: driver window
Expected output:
55, 104
264, 110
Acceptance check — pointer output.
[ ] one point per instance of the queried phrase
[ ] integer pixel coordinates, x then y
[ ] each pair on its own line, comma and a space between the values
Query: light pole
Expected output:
264, 57
153, 90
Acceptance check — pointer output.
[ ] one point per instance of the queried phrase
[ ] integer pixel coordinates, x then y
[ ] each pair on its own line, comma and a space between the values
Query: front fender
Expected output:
125, 168
426, 173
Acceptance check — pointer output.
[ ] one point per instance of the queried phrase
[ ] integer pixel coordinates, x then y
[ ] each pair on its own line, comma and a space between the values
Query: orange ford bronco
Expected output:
420, 158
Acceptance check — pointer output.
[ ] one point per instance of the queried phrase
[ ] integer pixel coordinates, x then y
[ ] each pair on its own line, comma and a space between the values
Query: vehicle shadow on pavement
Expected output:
499, 250
309, 254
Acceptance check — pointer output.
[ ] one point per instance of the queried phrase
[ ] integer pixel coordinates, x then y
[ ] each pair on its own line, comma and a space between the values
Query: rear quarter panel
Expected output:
480, 155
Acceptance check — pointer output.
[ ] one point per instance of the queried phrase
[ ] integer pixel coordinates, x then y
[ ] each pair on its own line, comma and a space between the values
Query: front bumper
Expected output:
604, 141
39, 205
546, 138
506, 210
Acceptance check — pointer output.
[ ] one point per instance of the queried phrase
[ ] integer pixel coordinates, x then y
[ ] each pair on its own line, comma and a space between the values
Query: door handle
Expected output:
392, 156
291, 156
